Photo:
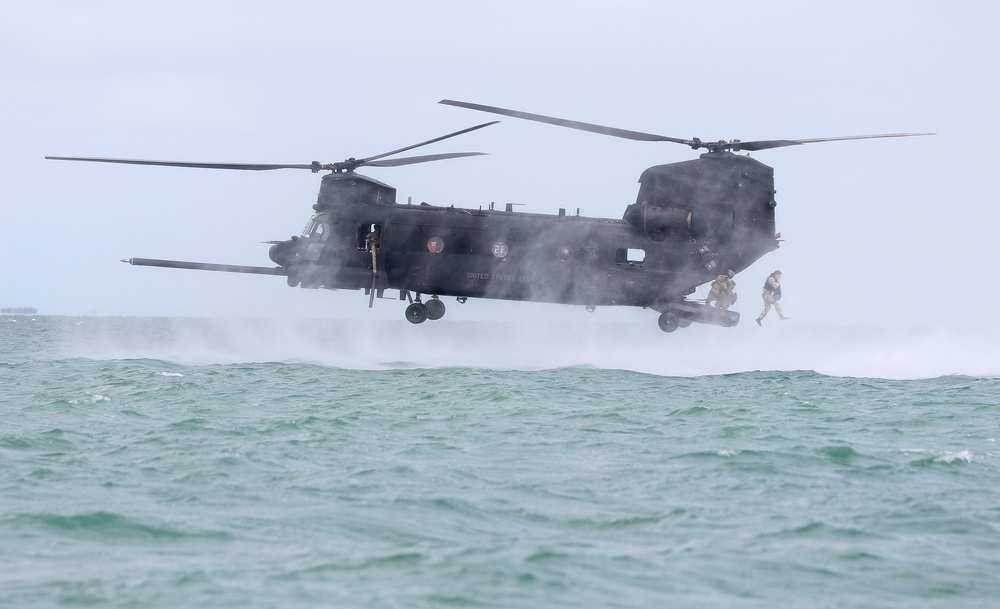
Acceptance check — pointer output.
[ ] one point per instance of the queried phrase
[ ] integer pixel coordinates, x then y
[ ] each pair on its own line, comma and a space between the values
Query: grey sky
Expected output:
882, 232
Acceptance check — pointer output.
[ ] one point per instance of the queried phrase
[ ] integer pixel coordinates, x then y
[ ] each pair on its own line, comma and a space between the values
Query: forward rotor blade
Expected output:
315, 166
766, 144
240, 166
207, 266
367, 161
410, 160
612, 131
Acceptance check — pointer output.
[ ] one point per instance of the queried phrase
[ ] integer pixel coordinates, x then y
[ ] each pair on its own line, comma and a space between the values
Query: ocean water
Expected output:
254, 463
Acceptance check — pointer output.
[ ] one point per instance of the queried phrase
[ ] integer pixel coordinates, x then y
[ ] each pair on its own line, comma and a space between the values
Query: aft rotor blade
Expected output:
612, 131
650, 137
410, 160
766, 144
368, 161
241, 166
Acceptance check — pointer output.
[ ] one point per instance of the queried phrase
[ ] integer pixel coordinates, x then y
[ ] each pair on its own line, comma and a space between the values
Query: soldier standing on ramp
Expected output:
722, 291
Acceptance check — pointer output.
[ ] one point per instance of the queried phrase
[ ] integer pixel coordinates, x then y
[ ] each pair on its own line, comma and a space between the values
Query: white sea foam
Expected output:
530, 345
962, 455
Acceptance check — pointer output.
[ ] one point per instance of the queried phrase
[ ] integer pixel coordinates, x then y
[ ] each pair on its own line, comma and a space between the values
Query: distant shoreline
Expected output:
18, 311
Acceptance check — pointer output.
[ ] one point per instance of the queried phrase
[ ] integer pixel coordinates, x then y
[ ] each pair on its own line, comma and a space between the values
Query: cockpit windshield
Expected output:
318, 227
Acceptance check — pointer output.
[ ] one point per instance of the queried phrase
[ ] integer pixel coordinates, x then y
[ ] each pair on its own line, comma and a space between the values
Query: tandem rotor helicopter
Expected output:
691, 221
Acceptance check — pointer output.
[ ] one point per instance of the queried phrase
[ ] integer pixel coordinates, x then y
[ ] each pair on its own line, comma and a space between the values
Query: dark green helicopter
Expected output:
692, 220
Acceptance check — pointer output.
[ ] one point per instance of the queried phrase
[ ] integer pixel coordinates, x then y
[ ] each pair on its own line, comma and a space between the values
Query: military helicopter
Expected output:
691, 221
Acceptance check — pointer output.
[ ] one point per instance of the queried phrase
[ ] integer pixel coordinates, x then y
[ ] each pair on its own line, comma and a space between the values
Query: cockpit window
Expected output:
317, 228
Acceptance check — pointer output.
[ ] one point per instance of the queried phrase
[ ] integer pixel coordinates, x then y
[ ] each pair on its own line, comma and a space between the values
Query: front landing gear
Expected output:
435, 308
418, 312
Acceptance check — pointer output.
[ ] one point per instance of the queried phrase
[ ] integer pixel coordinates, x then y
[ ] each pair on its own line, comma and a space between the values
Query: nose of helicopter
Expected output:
283, 253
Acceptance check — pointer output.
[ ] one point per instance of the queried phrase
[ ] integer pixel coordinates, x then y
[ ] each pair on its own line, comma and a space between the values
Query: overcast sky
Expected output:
880, 232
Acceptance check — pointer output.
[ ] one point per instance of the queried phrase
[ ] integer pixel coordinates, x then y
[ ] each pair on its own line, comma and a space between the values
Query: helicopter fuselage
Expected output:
691, 221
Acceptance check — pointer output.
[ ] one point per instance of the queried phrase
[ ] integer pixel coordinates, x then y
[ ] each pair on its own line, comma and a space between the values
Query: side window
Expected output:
368, 236
629, 257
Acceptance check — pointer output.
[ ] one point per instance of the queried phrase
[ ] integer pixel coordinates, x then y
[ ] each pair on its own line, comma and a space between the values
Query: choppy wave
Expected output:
164, 463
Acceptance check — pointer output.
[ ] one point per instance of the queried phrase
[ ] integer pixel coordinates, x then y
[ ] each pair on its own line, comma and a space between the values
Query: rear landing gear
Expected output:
682, 313
668, 321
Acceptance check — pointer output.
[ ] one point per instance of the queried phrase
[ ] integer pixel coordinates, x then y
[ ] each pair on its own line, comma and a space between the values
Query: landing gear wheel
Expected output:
416, 313
668, 321
434, 308
292, 278
684, 322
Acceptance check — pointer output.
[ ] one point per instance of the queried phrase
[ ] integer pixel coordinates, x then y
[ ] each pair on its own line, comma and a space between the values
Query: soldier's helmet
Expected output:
731, 274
